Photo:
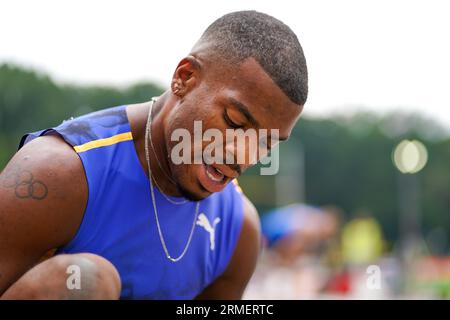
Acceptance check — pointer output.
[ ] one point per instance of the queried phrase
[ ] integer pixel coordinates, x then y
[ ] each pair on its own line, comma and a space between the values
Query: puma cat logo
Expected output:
204, 222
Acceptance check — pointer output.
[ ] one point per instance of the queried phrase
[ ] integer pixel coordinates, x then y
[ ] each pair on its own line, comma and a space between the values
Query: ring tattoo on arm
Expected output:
24, 184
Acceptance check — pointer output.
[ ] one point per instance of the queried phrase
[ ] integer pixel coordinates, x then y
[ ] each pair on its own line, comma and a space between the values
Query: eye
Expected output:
230, 123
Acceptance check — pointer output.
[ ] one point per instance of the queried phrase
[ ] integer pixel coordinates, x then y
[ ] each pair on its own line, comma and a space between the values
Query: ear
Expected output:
186, 76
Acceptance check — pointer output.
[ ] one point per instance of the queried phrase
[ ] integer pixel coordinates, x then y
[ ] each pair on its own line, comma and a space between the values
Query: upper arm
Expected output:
43, 193
232, 283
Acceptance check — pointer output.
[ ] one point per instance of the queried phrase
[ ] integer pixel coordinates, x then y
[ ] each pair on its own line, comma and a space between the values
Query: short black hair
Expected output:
243, 34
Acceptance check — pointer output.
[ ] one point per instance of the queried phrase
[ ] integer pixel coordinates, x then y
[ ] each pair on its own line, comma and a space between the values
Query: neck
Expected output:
161, 108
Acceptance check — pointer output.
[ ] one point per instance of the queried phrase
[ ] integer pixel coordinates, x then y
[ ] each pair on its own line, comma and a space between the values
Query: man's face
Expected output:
242, 97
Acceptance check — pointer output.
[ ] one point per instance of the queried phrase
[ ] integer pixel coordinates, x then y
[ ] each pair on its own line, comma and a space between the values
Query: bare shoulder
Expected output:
43, 194
45, 168
249, 244
252, 223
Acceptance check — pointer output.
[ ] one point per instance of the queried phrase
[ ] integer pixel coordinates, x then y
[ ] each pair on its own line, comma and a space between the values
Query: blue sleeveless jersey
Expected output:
119, 222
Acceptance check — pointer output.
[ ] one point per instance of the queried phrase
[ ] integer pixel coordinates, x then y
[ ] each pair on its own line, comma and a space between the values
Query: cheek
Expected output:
187, 116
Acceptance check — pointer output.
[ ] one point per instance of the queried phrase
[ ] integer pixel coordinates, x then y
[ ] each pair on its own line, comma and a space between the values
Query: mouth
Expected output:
214, 174
213, 178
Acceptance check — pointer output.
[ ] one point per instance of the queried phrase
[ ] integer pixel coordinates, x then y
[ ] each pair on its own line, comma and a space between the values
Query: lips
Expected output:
214, 173
214, 178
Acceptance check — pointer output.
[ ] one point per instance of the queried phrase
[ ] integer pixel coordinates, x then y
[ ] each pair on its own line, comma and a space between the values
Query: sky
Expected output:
379, 56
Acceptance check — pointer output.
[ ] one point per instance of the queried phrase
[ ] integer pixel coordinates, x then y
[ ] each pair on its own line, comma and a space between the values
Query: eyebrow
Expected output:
242, 108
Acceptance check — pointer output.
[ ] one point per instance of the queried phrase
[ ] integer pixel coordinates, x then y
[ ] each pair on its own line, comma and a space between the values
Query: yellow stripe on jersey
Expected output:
238, 187
126, 136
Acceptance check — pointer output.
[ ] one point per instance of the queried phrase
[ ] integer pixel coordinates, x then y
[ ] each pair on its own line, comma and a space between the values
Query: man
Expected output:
83, 187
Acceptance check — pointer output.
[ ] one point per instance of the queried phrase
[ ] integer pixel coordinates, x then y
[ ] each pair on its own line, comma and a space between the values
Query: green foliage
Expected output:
30, 101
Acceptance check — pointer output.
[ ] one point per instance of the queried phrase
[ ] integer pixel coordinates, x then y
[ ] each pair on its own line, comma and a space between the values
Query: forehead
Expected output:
249, 84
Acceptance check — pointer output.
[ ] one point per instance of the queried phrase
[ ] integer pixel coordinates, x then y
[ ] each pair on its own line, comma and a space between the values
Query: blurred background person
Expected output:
296, 238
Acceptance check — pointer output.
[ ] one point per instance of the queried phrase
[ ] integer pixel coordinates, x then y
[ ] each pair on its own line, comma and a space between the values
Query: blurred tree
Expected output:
30, 101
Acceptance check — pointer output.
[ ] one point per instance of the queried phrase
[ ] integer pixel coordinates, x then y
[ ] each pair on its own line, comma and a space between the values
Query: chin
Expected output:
187, 184
191, 195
